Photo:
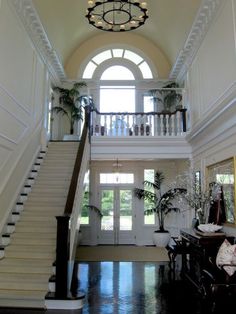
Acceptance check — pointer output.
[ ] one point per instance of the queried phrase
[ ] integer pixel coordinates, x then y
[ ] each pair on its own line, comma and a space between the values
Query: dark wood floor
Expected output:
131, 288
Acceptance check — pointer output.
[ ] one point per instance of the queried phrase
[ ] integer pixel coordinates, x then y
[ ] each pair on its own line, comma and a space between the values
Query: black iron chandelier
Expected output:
116, 15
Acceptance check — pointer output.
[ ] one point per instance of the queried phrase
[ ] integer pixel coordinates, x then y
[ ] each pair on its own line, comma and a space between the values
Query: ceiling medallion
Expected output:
116, 15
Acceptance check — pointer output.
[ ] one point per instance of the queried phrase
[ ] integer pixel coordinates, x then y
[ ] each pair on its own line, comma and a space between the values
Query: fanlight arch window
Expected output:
117, 72
112, 54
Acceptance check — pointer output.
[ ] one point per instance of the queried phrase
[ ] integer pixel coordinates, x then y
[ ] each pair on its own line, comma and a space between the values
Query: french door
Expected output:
117, 223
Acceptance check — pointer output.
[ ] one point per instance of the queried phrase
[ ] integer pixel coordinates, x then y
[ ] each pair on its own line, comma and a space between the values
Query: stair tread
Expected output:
26, 266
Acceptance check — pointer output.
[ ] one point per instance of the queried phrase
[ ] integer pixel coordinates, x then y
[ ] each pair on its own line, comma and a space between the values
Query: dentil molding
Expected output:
201, 24
30, 19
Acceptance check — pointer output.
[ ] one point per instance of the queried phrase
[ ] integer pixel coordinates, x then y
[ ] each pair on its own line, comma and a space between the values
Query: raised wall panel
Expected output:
16, 58
40, 89
22, 81
11, 128
4, 155
214, 69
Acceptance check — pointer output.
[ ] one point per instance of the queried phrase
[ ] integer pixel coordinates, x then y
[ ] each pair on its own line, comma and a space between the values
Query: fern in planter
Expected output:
158, 203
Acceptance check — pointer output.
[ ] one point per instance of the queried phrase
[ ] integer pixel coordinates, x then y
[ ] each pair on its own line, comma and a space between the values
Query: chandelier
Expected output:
116, 170
116, 15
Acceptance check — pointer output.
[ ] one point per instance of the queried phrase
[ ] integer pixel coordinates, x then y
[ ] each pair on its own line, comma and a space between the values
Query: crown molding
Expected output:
31, 21
201, 24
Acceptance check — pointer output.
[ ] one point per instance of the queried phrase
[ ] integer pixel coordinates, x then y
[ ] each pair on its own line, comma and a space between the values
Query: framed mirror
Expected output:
222, 176
197, 183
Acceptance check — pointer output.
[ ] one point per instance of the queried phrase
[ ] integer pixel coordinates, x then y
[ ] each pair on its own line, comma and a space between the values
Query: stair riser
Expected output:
23, 286
14, 218
35, 230
7, 277
22, 236
38, 219
9, 229
32, 255
41, 249
38, 242
22, 198
5, 241
26, 190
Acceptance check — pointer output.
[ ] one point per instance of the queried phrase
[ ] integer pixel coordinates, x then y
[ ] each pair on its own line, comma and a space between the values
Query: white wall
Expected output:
23, 81
211, 84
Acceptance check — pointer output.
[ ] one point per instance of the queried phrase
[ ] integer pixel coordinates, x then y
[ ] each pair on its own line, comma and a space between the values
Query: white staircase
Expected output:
29, 238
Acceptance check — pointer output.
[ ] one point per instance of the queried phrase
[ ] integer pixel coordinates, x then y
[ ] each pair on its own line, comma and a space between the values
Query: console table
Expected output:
199, 248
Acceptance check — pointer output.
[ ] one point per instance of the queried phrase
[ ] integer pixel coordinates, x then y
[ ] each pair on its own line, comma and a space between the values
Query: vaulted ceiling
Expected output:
168, 26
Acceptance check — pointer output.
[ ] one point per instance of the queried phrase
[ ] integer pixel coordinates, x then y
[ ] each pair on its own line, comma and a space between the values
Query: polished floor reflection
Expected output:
131, 288
134, 288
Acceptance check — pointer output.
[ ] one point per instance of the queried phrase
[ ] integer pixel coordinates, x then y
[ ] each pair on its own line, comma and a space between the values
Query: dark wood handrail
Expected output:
141, 113
63, 232
77, 167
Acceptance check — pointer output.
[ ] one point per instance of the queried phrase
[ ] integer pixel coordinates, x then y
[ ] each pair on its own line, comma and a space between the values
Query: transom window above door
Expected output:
116, 178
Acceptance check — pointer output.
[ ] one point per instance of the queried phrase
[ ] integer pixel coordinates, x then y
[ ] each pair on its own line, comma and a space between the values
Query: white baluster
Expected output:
128, 125
135, 125
139, 124
116, 125
149, 125
161, 124
110, 125
156, 126
101, 124
178, 122
93, 123
167, 126
105, 125
122, 126
172, 125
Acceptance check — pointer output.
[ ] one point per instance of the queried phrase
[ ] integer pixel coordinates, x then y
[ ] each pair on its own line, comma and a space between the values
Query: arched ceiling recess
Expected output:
59, 28
153, 54
67, 28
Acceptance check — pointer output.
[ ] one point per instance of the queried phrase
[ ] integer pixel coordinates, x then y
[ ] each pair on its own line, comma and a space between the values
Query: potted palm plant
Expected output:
168, 97
160, 204
71, 103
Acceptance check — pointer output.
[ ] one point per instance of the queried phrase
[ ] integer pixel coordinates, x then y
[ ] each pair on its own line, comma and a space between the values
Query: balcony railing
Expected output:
124, 124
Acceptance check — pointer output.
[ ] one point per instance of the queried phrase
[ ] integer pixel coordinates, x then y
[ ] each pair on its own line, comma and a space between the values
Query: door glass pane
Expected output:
148, 176
107, 208
125, 210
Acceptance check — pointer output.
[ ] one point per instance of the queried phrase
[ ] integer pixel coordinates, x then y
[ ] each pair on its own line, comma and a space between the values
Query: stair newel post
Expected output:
62, 257
183, 112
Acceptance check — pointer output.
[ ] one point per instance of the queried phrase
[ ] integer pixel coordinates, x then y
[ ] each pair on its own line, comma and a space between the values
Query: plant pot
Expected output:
161, 239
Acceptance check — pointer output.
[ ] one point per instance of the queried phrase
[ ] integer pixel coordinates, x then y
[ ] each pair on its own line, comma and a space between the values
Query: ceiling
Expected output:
67, 28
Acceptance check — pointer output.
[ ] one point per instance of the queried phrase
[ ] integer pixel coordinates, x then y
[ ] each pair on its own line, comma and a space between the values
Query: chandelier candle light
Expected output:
116, 15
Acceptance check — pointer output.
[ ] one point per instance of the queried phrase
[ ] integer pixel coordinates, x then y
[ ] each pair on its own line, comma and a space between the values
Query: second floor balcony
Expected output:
124, 124
139, 135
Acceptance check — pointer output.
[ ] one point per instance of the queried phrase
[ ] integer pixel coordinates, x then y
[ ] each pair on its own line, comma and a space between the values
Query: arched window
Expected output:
116, 74
114, 54
116, 97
